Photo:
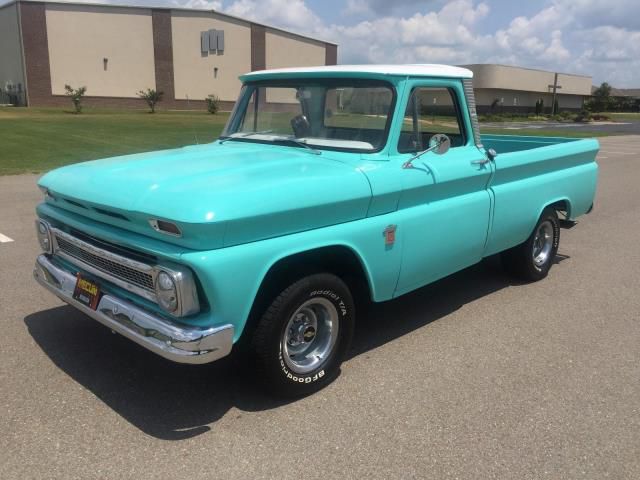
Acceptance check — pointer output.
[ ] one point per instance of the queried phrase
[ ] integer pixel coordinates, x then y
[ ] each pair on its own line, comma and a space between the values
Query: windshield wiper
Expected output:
277, 139
242, 135
298, 142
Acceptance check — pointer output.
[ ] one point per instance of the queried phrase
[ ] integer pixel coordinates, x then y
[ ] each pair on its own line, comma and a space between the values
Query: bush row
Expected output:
565, 116
150, 96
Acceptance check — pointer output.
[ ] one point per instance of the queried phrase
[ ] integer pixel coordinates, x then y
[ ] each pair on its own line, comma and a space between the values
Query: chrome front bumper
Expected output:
172, 341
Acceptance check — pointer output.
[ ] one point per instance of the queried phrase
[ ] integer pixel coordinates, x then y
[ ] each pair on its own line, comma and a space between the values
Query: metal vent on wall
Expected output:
212, 41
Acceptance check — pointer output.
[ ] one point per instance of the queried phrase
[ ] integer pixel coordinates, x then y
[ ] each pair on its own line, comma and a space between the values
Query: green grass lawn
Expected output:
625, 116
37, 140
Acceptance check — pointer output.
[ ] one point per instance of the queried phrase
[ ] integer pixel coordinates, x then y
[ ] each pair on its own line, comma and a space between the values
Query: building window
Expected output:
212, 41
515, 101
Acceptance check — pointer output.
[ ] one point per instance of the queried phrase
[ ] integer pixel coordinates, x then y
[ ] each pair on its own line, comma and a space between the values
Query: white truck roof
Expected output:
413, 70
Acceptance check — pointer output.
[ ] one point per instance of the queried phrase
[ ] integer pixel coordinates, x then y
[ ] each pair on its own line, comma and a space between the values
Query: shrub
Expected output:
213, 104
490, 118
151, 97
75, 94
583, 116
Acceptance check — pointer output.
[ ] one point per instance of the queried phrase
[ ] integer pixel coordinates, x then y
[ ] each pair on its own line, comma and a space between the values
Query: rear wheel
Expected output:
301, 339
532, 259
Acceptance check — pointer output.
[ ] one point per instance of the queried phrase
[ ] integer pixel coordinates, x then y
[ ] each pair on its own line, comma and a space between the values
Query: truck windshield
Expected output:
329, 114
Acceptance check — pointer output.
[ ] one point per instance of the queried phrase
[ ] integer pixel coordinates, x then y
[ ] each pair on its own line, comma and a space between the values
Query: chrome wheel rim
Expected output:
543, 243
310, 335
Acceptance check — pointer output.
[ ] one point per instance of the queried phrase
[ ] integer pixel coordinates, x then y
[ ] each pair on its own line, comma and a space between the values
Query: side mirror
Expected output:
440, 144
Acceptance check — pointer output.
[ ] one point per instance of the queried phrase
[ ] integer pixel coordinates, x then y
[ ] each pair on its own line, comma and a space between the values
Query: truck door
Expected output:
445, 205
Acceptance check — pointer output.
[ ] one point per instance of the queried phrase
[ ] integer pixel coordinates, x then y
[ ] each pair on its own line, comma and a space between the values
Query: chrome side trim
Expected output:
471, 104
174, 342
141, 267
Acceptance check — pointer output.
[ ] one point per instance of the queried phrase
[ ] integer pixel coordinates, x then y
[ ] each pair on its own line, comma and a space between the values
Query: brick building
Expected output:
115, 51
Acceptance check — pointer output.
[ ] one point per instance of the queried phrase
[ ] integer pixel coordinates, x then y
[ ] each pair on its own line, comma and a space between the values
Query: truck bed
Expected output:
538, 171
518, 143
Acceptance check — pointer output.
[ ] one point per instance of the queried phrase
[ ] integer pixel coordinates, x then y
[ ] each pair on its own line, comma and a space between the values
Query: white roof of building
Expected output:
414, 70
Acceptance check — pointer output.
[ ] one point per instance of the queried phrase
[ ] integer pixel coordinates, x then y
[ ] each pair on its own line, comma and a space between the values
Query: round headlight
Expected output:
166, 292
44, 236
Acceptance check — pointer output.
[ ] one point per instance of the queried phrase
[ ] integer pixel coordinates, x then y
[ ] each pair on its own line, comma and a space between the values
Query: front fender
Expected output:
231, 277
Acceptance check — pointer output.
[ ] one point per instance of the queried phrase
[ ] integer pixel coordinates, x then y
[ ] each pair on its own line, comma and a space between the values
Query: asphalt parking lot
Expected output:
474, 377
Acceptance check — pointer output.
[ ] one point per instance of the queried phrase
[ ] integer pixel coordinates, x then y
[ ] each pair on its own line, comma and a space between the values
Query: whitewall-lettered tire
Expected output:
303, 336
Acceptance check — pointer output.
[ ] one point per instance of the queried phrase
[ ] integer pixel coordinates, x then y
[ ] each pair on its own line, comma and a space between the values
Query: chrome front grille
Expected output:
125, 272
129, 274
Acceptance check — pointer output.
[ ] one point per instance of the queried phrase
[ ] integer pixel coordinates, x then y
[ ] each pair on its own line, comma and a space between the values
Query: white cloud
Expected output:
560, 37
596, 13
556, 51
293, 14
385, 7
442, 35
199, 4
357, 7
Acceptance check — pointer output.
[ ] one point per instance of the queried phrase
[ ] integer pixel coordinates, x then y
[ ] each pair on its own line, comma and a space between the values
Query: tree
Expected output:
76, 95
602, 100
151, 97
494, 105
603, 91
213, 104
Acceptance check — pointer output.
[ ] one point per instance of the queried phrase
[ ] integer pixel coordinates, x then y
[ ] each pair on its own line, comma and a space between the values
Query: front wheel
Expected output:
301, 339
532, 259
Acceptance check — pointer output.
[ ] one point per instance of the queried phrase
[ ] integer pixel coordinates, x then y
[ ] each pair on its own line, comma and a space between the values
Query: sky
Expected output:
600, 38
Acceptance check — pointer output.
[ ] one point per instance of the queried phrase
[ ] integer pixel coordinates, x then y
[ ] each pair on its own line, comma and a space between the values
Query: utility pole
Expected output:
555, 87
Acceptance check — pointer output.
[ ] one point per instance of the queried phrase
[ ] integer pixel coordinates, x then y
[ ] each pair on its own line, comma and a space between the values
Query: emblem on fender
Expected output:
390, 235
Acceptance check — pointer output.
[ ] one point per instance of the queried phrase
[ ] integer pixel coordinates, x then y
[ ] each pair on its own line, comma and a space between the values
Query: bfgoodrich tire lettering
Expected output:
301, 339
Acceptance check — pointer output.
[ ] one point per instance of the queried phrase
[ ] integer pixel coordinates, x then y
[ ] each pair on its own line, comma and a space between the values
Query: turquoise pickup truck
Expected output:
329, 186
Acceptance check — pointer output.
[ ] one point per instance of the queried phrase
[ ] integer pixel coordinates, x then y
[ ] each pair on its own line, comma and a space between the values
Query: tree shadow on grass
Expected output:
173, 402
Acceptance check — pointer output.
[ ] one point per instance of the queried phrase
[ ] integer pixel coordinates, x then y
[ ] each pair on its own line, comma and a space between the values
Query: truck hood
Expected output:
218, 194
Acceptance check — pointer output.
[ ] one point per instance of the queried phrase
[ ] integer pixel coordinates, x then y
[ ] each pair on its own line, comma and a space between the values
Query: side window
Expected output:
430, 111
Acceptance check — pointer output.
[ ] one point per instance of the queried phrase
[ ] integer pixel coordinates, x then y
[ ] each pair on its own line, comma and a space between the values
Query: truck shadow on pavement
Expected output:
170, 401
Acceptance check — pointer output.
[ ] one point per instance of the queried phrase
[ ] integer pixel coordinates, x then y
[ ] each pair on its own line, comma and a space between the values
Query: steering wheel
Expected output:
300, 125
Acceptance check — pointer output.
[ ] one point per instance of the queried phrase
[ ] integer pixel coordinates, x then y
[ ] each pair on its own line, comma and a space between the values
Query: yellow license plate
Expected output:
87, 292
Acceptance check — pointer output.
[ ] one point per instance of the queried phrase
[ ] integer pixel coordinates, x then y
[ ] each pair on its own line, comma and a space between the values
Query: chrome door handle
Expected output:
484, 161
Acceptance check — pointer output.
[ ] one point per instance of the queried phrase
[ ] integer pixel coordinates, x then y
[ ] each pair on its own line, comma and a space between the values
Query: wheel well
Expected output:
339, 260
562, 206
